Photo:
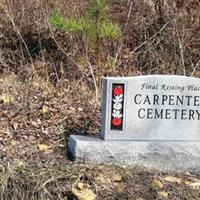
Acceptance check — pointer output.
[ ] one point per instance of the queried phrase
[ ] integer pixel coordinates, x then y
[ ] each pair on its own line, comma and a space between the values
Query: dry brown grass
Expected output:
61, 180
159, 37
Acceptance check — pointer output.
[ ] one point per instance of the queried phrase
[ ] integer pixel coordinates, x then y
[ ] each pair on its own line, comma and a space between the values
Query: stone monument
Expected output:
151, 121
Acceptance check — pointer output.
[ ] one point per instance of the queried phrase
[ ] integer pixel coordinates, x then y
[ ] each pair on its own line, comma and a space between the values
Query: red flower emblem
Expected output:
118, 90
116, 121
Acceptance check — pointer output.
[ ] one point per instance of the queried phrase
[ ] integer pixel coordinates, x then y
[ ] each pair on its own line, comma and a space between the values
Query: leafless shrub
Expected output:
160, 36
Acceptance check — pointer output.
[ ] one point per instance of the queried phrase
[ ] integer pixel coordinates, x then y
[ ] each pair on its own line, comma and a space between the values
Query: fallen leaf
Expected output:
103, 180
61, 146
14, 142
43, 147
84, 194
6, 99
80, 186
163, 194
173, 179
116, 178
193, 185
157, 184
48, 151
45, 109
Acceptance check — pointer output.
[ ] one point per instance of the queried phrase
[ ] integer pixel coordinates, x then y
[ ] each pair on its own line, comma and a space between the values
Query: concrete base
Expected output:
161, 155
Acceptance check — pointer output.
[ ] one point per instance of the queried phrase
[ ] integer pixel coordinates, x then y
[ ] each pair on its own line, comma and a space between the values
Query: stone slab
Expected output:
162, 155
152, 107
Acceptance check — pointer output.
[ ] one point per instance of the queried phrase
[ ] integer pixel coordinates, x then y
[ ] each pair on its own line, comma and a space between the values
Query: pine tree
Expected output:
94, 25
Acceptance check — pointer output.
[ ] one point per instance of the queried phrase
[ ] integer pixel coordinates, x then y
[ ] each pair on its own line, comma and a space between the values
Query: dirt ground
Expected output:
36, 120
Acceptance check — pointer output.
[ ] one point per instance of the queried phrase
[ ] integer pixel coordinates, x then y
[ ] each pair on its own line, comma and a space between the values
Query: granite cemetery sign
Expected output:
151, 108
147, 120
